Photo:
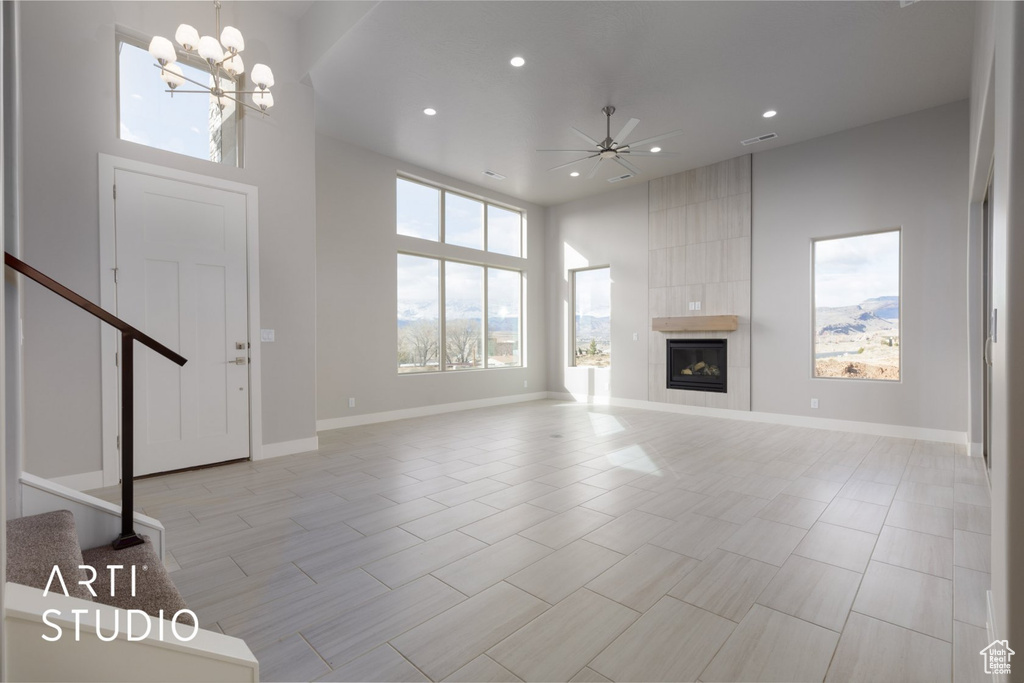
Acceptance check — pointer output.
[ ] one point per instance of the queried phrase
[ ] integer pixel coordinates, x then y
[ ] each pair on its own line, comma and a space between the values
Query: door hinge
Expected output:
115, 191
118, 442
115, 275
115, 358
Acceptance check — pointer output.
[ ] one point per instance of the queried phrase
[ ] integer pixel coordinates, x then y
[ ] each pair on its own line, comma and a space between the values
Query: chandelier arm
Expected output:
201, 85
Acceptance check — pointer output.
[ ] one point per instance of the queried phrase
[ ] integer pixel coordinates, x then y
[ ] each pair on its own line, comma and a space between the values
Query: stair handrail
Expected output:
127, 537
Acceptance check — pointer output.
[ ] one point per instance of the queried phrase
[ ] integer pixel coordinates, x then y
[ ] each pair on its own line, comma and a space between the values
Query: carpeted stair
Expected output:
36, 543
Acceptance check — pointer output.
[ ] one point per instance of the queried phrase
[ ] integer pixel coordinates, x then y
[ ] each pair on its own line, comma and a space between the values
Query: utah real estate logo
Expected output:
997, 657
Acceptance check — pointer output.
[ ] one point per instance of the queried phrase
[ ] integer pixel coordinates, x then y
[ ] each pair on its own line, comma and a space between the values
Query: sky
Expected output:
849, 270
593, 292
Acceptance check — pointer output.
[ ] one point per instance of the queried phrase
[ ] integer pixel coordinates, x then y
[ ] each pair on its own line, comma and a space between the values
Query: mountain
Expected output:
590, 327
871, 315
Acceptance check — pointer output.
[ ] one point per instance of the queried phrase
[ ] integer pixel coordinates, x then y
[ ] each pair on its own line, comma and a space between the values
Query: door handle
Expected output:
240, 360
988, 347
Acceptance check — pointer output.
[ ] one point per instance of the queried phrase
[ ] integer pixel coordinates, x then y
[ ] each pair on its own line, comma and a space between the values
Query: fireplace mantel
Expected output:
696, 323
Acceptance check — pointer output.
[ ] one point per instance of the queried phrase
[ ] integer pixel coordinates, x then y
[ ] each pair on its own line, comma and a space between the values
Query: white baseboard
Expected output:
875, 428
975, 450
85, 481
423, 411
276, 450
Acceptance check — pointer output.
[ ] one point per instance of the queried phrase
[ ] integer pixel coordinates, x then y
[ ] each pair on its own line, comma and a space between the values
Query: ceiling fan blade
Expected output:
576, 161
663, 136
582, 151
628, 166
649, 154
586, 137
626, 130
593, 169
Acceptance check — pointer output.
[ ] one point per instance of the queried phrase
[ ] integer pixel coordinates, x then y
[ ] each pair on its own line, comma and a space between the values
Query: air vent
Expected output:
760, 138
620, 177
492, 174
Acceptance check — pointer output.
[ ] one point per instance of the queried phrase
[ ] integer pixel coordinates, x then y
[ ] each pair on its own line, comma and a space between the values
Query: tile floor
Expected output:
555, 541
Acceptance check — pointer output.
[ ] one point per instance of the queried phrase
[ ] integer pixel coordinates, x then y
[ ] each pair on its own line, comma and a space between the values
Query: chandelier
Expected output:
222, 58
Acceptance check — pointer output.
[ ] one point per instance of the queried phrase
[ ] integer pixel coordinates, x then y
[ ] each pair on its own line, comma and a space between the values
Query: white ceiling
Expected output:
709, 68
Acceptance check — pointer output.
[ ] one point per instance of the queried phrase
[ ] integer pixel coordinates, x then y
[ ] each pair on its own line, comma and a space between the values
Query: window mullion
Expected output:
442, 349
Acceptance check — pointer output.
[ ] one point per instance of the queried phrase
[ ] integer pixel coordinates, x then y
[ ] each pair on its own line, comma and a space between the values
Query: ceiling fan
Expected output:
614, 148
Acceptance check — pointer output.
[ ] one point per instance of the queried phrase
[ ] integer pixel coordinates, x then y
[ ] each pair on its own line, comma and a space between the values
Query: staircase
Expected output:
37, 544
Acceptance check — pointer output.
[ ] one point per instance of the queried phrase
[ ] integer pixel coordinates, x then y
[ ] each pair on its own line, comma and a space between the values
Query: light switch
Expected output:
266, 335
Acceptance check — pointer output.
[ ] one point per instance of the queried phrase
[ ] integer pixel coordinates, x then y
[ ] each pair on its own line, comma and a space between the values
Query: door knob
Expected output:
240, 360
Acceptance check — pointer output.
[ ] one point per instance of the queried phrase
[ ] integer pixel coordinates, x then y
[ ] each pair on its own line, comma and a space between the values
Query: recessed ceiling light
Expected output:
770, 113
655, 149
517, 61
575, 174
429, 111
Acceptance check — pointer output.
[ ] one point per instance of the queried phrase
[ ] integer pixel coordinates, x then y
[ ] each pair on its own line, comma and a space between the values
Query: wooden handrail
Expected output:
83, 303
128, 537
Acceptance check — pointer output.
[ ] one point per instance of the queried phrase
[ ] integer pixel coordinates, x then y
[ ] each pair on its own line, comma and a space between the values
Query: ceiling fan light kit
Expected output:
613, 148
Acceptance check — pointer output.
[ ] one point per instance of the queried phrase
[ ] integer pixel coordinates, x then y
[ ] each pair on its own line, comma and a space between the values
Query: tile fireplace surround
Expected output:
699, 251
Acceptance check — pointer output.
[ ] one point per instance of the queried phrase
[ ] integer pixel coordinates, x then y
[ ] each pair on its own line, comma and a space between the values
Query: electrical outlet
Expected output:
636, 336
525, 382
351, 403
266, 335
814, 403
691, 307
697, 303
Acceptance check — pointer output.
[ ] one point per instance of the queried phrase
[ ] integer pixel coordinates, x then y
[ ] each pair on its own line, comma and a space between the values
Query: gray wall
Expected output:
999, 136
69, 95
357, 288
908, 172
605, 230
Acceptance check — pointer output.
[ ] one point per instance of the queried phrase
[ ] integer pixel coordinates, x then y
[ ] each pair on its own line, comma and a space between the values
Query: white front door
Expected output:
181, 278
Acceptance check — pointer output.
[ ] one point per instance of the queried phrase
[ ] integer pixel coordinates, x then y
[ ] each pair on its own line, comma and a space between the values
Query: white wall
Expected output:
908, 172
999, 135
70, 104
608, 229
357, 289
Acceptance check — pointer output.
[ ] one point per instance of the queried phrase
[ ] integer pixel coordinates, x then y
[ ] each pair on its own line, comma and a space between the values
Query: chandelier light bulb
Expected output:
162, 50
220, 100
263, 99
210, 49
262, 76
172, 75
187, 36
231, 39
233, 65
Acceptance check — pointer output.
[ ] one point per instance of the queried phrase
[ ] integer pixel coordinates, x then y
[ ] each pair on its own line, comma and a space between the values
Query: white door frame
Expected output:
108, 300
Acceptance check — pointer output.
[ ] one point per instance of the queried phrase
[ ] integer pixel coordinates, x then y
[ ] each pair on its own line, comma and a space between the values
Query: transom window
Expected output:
454, 314
433, 213
186, 123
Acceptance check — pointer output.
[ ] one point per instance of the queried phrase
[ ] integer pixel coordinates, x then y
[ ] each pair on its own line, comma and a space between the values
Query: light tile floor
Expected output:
556, 541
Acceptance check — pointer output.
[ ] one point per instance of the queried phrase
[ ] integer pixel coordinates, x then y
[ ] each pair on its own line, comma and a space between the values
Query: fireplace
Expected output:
697, 364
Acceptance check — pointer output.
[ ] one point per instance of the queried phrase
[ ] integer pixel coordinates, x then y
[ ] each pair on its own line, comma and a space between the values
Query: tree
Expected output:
420, 342
462, 343
593, 347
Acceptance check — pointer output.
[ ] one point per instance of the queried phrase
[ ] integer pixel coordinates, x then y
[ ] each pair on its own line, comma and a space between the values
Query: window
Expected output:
592, 330
468, 222
187, 124
419, 329
454, 315
857, 306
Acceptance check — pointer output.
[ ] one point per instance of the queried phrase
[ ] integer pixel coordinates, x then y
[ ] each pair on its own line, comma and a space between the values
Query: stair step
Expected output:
37, 543
154, 590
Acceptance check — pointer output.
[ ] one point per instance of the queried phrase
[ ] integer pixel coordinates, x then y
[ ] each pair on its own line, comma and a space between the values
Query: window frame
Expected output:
572, 309
487, 203
813, 299
442, 312
136, 39
444, 253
